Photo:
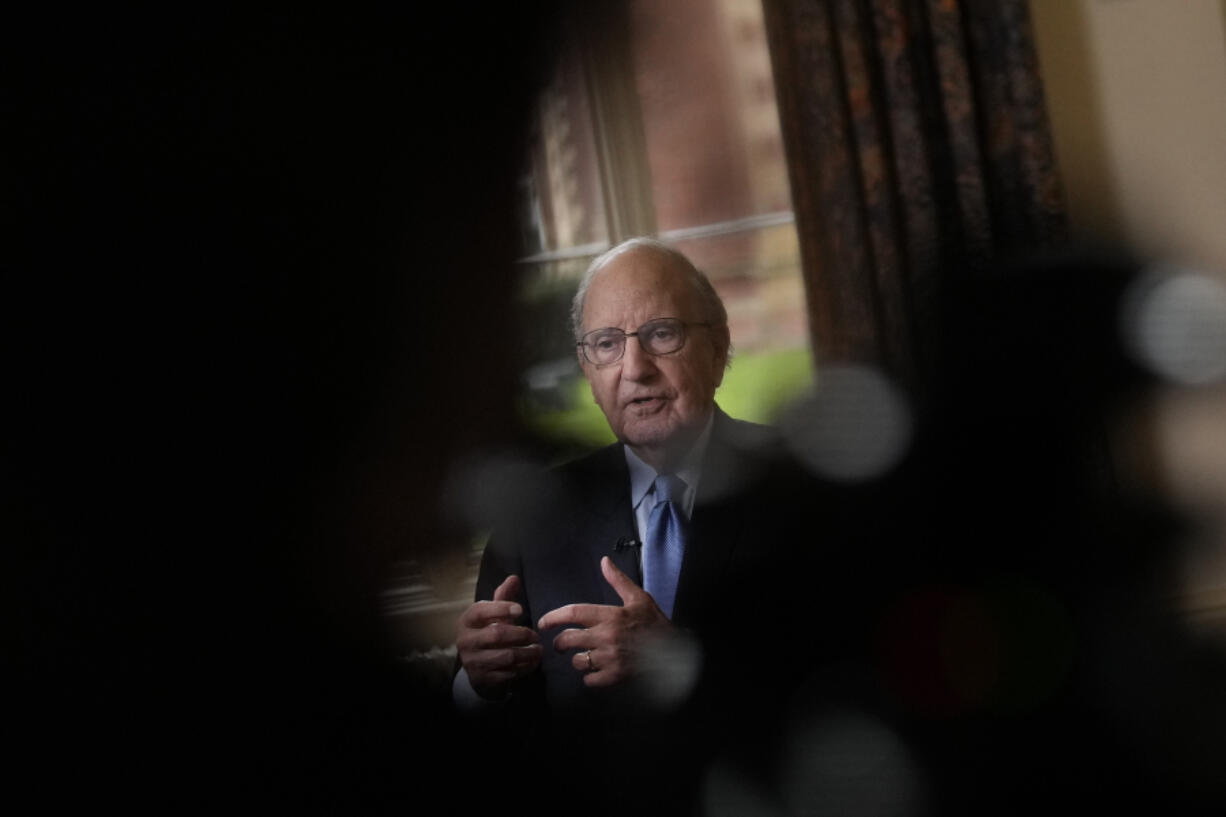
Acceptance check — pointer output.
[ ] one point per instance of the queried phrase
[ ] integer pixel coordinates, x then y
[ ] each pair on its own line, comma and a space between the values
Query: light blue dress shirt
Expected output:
643, 476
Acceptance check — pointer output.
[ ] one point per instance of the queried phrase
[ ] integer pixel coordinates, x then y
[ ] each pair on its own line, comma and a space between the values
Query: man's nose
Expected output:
636, 363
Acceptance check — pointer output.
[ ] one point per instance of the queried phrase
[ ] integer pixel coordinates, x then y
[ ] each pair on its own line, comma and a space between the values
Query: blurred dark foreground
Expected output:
256, 265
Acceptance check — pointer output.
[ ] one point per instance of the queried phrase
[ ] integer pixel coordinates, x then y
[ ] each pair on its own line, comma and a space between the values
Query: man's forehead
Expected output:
638, 277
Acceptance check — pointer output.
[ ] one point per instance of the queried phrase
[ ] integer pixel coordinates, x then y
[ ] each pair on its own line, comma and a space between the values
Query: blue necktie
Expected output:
665, 542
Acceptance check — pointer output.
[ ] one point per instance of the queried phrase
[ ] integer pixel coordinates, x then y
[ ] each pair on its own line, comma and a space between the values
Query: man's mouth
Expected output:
647, 401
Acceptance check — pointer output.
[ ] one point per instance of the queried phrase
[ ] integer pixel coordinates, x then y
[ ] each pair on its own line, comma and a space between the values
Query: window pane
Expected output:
698, 76
703, 75
564, 202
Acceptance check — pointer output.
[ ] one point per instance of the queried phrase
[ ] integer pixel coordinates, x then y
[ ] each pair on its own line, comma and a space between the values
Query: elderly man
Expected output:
645, 602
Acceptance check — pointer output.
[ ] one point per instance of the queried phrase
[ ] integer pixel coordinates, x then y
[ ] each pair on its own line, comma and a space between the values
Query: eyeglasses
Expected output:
661, 336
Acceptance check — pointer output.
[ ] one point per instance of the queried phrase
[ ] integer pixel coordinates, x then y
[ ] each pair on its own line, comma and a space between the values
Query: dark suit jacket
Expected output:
764, 538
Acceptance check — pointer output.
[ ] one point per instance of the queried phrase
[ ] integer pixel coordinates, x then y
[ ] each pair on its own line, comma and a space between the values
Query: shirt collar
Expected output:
642, 475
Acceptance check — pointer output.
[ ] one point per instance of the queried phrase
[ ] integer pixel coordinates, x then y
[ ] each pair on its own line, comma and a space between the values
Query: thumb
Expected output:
622, 584
508, 590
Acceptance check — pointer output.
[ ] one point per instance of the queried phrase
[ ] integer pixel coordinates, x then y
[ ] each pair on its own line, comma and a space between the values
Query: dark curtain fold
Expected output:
918, 148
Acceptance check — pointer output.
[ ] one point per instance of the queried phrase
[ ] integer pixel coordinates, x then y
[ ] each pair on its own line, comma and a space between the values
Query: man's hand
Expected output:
492, 648
610, 636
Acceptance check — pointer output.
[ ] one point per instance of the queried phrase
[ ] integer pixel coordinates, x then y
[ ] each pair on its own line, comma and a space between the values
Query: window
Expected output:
661, 120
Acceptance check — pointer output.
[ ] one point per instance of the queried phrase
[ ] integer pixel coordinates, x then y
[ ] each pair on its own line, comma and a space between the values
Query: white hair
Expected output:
713, 310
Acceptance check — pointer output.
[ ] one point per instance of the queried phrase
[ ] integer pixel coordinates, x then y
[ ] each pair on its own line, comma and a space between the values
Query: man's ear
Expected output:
721, 340
582, 363
587, 374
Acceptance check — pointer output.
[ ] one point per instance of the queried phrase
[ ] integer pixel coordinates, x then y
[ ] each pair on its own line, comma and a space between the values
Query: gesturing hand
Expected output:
492, 648
608, 637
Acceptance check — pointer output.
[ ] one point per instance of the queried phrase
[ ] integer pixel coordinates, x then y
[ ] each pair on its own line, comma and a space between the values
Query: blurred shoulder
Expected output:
742, 455
593, 465
750, 439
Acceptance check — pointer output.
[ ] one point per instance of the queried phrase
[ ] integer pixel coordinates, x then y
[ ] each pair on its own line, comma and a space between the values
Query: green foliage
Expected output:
758, 386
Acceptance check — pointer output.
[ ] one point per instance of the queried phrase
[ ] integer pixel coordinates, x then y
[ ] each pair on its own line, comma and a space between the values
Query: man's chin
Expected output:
650, 432
663, 440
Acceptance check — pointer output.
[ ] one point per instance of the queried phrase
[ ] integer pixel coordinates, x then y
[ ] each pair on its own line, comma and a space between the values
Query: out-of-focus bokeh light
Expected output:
1174, 320
669, 667
485, 491
729, 792
1188, 428
849, 763
948, 651
856, 425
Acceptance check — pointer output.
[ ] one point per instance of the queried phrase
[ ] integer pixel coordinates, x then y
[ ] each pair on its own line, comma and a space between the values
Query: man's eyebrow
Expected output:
640, 326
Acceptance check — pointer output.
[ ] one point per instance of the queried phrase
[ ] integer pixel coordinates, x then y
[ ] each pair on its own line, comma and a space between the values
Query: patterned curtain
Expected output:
919, 148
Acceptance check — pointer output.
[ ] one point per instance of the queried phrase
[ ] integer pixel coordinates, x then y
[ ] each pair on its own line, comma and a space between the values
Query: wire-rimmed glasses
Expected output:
659, 336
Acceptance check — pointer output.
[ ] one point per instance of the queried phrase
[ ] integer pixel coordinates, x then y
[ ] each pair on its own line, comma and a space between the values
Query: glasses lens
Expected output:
604, 346
663, 336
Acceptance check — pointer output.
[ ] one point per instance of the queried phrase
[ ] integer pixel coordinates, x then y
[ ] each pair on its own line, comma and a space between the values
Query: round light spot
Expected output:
1174, 320
729, 792
855, 426
487, 491
850, 763
668, 669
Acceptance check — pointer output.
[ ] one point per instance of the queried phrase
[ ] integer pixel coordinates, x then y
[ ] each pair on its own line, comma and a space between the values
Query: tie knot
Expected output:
669, 488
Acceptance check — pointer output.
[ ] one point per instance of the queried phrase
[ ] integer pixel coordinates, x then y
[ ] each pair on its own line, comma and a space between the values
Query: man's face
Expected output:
656, 404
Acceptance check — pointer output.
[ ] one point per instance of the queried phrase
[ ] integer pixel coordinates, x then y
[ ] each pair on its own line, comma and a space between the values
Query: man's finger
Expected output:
581, 662
624, 586
580, 615
509, 659
528, 656
508, 590
501, 635
601, 678
486, 612
575, 639
495, 677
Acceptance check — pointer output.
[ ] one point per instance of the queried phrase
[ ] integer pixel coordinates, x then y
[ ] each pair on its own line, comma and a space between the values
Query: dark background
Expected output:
256, 274
256, 298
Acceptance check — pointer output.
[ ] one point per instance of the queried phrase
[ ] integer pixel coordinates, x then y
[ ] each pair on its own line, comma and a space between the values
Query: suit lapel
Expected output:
716, 524
609, 528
